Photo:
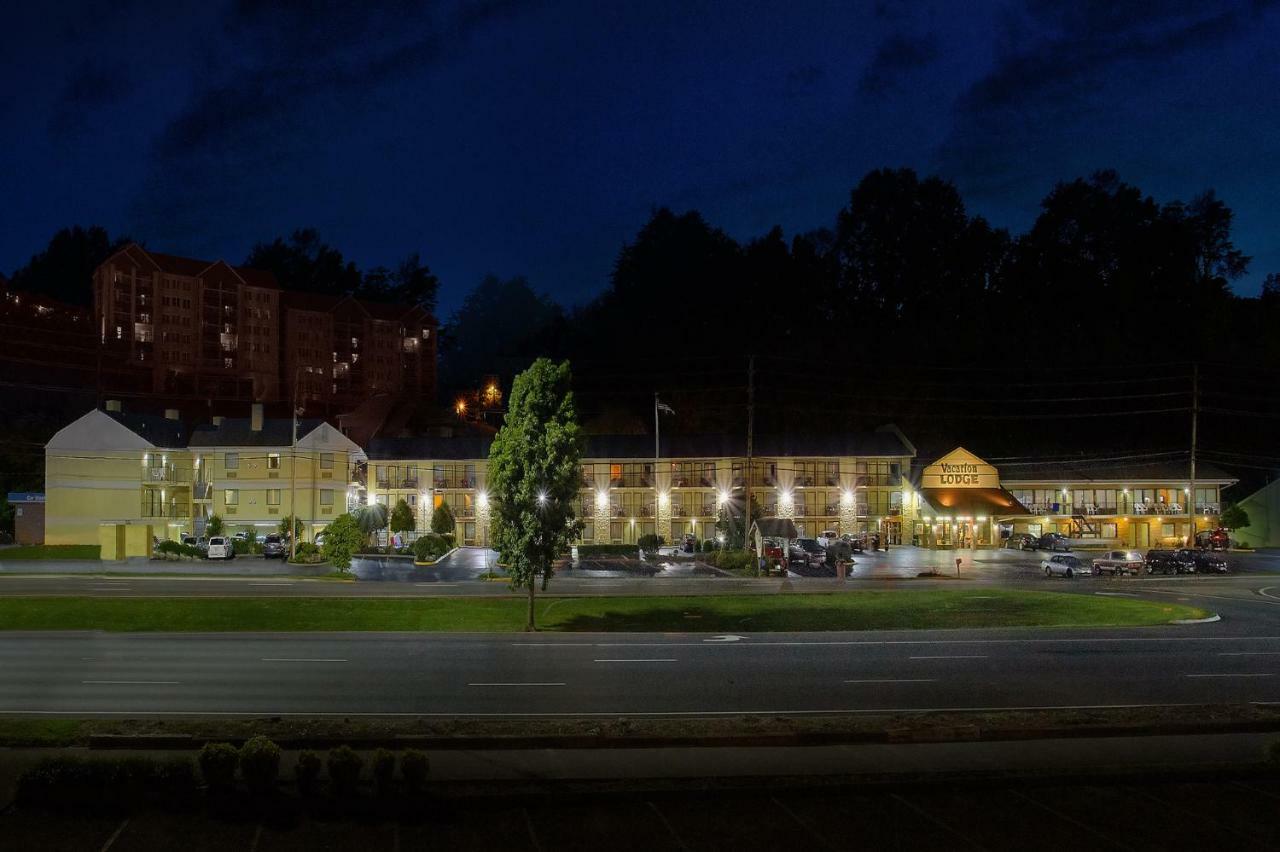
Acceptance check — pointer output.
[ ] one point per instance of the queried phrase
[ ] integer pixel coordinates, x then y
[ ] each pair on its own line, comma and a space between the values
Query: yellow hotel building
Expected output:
123, 480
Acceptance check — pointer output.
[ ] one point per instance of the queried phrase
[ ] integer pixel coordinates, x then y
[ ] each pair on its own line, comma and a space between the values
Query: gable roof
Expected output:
115, 430
235, 432
193, 267
1084, 471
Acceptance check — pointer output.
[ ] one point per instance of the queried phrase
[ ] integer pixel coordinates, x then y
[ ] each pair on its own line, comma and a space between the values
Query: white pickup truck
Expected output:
1117, 562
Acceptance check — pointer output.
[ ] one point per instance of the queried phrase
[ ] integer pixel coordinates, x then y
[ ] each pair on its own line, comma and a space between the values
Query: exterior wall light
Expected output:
542, 497
482, 499
846, 497
602, 498
663, 499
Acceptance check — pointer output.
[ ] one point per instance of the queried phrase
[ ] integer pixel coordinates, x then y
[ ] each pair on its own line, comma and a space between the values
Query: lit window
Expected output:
232, 461
231, 497
326, 461
273, 497
326, 497
273, 461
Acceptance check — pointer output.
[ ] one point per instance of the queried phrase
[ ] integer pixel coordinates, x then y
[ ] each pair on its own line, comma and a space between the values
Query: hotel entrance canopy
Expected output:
970, 503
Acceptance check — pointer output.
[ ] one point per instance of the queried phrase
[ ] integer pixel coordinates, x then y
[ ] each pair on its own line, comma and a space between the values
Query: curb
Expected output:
432, 742
1209, 620
437, 560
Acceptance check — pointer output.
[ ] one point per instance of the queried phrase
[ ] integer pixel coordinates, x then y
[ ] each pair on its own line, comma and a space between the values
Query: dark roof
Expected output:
1155, 471
460, 448
776, 528
235, 432
192, 267
641, 446
973, 502
160, 431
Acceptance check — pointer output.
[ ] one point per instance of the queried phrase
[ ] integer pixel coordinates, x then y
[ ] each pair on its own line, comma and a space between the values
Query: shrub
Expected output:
104, 784
307, 773
260, 764
450, 540
214, 526
384, 771
307, 553
442, 520
734, 560
651, 541
429, 547
587, 551
218, 763
342, 538
344, 770
415, 767
709, 545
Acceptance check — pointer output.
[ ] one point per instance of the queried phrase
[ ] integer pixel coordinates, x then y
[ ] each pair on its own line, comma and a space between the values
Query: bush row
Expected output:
586, 551
733, 560
259, 763
177, 548
68, 783
307, 553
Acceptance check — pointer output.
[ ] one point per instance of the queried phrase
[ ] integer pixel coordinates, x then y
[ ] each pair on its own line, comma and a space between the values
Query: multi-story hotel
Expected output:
211, 329
123, 479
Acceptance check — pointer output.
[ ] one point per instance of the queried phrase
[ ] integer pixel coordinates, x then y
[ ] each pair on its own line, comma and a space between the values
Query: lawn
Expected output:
869, 610
50, 551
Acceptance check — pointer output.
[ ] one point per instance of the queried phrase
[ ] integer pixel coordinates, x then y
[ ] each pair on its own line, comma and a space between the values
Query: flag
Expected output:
662, 406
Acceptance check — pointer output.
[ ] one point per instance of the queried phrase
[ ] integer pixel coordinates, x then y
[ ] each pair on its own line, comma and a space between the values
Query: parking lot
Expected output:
1239, 811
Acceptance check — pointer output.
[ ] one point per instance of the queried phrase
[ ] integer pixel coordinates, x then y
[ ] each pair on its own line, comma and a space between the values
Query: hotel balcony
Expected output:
166, 473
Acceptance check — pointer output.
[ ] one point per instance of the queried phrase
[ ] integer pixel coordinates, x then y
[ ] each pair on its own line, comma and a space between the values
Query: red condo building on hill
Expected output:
207, 328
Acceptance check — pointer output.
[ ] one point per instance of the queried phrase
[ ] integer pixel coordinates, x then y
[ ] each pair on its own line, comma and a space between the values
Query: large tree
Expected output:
534, 476
307, 263
492, 330
64, 270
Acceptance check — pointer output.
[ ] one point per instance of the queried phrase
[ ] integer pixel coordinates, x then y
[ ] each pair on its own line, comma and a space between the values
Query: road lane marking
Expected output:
650, 660
952, 657
303, 660
1248, 653
1117, 594
1250, 674
436, 585
895, 680
132, 682
271, 584
888, 642
547, 683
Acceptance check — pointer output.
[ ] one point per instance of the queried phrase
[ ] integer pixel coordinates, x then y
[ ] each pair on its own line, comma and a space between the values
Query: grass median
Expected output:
869, 610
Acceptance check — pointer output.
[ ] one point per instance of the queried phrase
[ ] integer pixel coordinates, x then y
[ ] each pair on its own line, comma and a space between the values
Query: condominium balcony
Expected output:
164, 510
166, 473
453, 482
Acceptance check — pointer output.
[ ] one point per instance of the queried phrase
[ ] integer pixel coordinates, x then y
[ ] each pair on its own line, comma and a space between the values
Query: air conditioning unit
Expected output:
273, 511
326, 474
275, 474
231, 474
231, 510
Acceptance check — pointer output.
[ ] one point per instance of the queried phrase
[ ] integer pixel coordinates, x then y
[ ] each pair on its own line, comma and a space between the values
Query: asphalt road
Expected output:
1236, 660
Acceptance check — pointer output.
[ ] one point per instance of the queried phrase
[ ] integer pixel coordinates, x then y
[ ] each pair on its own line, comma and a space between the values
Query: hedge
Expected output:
429, 547
586, 551
733, 560
177, 548
74, 783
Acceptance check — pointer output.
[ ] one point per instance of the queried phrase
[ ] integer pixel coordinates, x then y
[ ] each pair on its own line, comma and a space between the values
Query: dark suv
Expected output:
806, 552
1202, 561
1169, 562
274, 547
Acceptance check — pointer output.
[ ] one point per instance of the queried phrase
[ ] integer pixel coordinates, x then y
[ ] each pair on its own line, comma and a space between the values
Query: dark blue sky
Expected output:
534, 138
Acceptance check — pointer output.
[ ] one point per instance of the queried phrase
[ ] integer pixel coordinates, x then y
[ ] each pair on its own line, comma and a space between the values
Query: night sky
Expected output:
534, 138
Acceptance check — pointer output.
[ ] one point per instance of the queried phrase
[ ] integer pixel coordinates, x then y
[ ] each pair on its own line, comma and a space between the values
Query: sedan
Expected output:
274, 546
1064, 564
1203, 561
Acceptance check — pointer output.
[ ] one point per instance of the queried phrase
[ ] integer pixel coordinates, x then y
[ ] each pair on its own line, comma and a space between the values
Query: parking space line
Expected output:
131, 682
675, 838
1070, 819
516, 684
949, 829
1247, 674
951, 657
649, 660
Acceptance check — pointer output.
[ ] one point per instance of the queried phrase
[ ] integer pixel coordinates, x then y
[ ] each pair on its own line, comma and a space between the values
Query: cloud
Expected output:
92, 85
1054, 58
897, 55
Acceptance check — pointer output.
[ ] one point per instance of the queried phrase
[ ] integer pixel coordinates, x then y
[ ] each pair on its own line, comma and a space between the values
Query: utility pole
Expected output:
1195, 416
293, 474
751, 426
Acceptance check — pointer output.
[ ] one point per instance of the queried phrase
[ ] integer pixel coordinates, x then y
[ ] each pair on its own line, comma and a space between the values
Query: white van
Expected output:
220, 547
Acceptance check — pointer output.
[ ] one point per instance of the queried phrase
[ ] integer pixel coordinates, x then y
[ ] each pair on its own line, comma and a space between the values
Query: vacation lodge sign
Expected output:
960, 469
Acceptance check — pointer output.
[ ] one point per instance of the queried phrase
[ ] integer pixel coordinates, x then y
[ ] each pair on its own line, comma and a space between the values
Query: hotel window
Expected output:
231, 461
326, 496
273, 497
273, 461
231, 497
326, 461
1109, 530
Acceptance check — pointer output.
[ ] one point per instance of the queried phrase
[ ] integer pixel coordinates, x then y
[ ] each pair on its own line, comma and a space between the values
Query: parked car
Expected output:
1219, 539
806, 551
855, 542
772, 548
274, 546
1021, 541
827, 537
246, 537
1053, 541
1202, 561
196, 541
221, 547
1064, 564
1118, 562
1168, 562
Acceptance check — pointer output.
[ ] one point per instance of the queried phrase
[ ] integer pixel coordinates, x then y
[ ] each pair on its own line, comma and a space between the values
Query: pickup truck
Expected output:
1118, 562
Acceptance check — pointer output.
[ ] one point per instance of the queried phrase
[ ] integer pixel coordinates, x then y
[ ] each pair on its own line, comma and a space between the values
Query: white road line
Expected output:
1248, 653
1117, 594
271, 584
889, 642
549, 683
951, 657
895, 680
1253, 674
302, 660
132, 682
436, 585
651, 660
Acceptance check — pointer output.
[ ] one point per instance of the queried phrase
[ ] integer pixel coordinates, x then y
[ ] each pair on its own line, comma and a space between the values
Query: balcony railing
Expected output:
164, 510
453, 482
166, 473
